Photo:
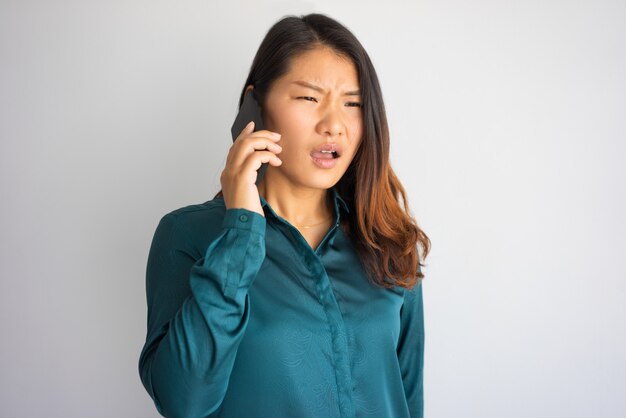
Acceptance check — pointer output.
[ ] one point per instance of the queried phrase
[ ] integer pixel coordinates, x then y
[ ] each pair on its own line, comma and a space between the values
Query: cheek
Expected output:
356, 134
293, 125
296, 122
287, 116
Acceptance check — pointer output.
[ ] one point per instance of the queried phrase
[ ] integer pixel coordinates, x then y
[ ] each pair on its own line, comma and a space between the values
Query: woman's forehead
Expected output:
324, 71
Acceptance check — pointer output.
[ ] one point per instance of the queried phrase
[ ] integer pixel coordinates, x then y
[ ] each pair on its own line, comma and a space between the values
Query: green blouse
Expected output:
245, 319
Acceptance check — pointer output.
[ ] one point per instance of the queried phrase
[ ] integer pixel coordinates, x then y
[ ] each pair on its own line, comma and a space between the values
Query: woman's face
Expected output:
316, 104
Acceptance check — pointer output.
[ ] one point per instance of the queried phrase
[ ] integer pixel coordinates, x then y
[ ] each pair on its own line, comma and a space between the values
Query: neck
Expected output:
299, 206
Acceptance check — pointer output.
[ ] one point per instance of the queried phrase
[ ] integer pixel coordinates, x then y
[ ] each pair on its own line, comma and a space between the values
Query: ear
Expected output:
249, 88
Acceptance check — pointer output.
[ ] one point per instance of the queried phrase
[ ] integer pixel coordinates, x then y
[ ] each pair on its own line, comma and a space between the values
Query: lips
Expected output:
327, 151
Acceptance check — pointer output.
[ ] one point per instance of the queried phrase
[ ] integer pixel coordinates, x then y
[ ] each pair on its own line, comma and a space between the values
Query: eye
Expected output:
307, 97
354, 104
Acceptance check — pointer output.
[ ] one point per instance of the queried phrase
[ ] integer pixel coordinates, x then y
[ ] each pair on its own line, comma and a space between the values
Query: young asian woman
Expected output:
298, 293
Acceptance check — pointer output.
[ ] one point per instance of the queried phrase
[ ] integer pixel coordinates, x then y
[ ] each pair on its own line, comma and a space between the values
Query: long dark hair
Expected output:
381, 227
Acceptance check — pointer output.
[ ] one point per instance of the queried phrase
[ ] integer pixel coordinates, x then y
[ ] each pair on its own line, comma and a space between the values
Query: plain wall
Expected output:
508, 131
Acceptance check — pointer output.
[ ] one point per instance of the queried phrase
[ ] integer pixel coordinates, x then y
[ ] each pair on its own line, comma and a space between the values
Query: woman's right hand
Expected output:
248, 152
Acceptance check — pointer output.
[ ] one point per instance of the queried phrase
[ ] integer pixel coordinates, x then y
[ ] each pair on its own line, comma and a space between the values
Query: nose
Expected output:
331, 122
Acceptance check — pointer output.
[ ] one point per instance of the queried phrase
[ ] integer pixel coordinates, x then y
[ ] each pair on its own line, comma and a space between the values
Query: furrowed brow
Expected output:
321, 90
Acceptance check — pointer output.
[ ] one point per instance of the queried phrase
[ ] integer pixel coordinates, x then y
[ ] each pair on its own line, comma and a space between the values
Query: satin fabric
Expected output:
245, 319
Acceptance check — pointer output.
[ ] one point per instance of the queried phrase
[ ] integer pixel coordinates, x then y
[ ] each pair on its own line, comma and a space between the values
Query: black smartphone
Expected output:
249, 110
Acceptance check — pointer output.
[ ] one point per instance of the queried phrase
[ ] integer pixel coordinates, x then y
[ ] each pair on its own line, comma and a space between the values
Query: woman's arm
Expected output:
411, 350
198, 312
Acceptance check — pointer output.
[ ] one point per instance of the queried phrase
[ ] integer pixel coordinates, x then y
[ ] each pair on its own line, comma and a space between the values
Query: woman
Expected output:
299, 297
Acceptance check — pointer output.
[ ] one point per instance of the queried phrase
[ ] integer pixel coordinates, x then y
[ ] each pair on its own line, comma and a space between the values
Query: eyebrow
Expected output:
321, 90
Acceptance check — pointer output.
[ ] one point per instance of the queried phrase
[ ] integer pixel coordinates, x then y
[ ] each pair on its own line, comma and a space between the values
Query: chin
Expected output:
322, 183
313, 177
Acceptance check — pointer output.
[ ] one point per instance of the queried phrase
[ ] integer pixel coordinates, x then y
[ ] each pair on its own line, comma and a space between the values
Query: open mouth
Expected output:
326, 154
332, 153
327, 151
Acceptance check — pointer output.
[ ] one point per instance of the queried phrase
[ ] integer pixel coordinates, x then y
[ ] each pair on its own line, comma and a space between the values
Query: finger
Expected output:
249, 128
264, 133
260, 144
253, 145
244, 147
255, 161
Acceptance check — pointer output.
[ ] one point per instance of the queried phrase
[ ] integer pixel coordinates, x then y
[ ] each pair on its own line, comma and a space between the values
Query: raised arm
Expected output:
198, 311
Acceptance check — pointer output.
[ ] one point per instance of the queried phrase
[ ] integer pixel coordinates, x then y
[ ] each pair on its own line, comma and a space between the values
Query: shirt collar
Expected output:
338, 201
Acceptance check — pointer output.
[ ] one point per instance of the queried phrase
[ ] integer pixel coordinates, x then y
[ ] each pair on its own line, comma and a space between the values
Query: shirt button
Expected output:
243, 218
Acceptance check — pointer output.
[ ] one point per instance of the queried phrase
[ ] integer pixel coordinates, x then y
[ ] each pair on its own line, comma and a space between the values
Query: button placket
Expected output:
339, 343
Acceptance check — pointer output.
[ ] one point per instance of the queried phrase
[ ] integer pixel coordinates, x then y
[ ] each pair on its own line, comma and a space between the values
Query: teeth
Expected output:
333, 153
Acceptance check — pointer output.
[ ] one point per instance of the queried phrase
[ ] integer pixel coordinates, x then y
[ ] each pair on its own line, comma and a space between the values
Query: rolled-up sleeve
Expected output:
411, 350
198, 311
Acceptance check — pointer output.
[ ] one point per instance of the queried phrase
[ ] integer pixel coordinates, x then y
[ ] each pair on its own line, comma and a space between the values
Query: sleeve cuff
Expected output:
245, 219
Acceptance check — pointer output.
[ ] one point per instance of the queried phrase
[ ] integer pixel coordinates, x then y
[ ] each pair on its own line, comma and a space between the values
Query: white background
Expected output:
508, 131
